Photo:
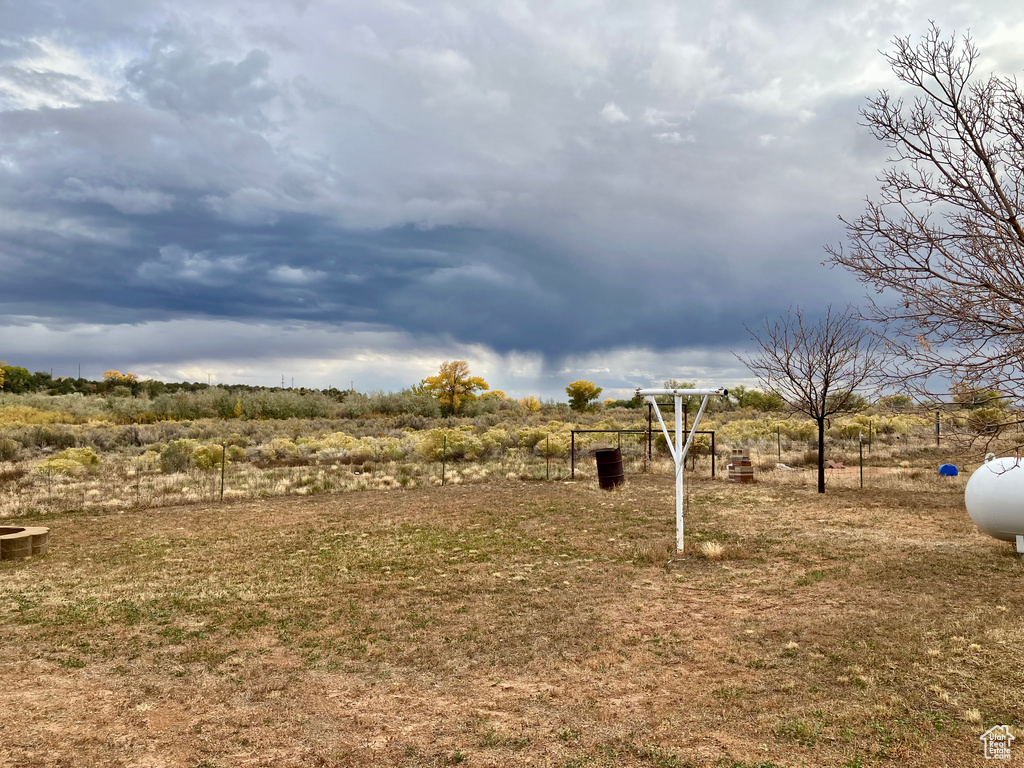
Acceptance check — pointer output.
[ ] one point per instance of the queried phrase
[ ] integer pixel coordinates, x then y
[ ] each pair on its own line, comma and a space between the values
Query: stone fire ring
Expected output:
16, 543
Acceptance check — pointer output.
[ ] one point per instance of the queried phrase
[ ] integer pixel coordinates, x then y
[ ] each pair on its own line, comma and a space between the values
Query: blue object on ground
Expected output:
949, 470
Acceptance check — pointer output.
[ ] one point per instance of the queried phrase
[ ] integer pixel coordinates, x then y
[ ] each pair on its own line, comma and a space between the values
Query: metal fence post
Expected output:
862, 461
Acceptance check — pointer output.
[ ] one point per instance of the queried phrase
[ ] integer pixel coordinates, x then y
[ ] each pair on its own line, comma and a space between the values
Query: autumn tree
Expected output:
816, 368
452, 386
116, 378
121, 384
942, 246
581, 394
531, 404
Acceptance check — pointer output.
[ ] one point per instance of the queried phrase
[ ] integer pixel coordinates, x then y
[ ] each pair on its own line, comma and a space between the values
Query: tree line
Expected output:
17, 380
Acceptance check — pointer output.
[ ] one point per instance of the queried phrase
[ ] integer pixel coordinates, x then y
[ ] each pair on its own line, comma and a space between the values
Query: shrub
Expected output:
741, 431
279, 448
48, 437
87, 457
495, 440
560, 443
23, 414
73, 461
9, 449
130, 410
207, 457
58, 466
147, 461
388, 448
336, 441
530, 436
176, 457
453, 444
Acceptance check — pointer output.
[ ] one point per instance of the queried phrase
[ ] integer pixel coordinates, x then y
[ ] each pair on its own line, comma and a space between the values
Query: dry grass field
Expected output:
518, 623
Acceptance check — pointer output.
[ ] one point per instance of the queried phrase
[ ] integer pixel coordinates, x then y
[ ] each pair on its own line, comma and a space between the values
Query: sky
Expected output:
349, 193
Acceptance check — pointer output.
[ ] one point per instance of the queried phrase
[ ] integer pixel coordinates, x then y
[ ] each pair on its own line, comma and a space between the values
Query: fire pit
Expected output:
16, 543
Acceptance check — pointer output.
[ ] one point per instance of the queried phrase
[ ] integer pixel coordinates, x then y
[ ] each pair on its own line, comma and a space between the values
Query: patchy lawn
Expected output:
517, 623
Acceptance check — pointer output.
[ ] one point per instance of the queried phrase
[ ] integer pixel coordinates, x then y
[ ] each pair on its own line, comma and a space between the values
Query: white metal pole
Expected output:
680, 463
678, 452
664, 429
696, 422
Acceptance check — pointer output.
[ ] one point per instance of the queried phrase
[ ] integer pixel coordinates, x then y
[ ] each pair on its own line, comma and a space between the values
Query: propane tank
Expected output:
995, 498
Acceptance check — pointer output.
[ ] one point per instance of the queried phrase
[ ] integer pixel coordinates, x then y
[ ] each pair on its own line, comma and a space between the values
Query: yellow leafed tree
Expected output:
531, 403
116, 377
581, 393
453, 385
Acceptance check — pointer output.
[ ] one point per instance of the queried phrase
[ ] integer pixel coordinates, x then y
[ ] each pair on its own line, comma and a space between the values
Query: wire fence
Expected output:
123, 481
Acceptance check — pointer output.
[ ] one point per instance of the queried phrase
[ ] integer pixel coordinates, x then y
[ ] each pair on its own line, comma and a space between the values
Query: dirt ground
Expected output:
517, 623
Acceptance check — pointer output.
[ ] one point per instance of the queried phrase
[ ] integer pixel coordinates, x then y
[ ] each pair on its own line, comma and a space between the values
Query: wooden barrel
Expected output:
609, 468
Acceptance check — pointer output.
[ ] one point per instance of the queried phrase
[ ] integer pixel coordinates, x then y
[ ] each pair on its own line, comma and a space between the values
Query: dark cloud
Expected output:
554, 184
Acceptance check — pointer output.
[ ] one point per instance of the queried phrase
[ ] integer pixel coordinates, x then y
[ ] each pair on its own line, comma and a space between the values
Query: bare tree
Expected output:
817, 368
943, 246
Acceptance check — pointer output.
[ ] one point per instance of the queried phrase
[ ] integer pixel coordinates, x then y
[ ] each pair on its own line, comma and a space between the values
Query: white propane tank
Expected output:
995, 498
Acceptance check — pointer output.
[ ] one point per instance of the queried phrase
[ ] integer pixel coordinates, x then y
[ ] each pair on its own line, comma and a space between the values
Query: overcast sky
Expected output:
344, 192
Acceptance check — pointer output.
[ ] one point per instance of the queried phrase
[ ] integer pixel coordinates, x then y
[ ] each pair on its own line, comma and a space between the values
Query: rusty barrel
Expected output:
609, 468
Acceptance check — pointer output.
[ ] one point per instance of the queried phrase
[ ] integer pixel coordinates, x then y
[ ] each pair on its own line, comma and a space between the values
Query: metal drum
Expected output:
609, 468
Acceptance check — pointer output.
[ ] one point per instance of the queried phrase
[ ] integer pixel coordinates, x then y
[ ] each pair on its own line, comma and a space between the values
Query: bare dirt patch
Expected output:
516, 623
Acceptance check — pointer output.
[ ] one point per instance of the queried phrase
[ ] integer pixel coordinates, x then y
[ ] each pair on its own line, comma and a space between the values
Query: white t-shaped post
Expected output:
679, 451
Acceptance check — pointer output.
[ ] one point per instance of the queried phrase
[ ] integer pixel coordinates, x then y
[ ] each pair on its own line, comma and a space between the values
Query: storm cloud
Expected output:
376, 184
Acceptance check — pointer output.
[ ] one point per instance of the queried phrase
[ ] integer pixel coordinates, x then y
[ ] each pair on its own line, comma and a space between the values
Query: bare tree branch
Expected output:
817, 368
945, 239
